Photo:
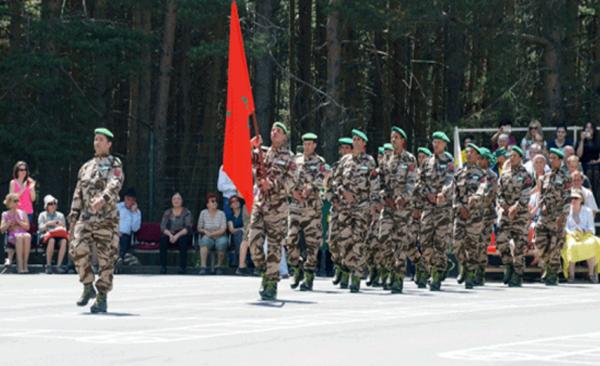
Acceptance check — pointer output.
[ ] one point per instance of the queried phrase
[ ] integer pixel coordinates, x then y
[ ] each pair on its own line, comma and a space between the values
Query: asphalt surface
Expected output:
192, 320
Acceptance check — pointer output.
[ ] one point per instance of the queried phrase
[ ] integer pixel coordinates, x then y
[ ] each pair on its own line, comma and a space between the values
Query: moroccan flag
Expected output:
237, 158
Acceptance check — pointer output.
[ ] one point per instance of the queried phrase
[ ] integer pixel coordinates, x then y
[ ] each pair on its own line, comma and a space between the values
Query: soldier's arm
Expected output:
411, 180
419, 191
76, 202
448, 187
500, 199
459, 194
528, 185
566, 200
110, 194
375, 185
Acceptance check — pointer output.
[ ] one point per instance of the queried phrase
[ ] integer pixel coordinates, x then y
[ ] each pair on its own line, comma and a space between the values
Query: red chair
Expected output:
148, 237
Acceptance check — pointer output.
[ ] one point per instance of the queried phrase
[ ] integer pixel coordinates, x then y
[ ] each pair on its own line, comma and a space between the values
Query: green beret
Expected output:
380, 150
439, 135
345, 141
557, 152
518, 150
449, 155
104, 131
360, 134
474, 147
388, 146
309, 137
400, 131
282, 126
424, 150
500, 152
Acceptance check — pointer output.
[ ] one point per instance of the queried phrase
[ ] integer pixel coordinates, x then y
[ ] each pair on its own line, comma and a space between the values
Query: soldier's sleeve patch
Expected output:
411, 167
117, 172
322, 169
451, 166
374, 173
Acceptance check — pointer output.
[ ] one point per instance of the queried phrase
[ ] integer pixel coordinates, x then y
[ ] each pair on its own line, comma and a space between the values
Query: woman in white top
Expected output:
49, 220
581, 242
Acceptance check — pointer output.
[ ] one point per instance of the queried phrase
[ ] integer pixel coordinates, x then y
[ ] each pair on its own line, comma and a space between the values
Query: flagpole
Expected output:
261, 167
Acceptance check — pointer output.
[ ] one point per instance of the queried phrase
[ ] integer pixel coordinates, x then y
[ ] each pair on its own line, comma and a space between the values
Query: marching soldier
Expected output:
94, 220
470, 185
513, 197
374, 248
357, 185
305, 212
434, 190
554, 202
486, 161
274, 177
345, 148
398, 178
414, 253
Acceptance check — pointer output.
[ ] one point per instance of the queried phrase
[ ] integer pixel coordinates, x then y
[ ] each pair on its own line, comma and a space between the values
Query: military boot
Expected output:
345, 279
508, 272
421, 277
384, 280
297, 276
269, 289
461, 274
551, 278
436, 282
469, 279
516, 280
100, 304
337, 275
88, 294
397, 284
480, 277
355, 284
372, 276
307, 285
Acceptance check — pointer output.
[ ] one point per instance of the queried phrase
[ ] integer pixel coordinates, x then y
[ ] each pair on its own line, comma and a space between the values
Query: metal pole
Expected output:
151, 175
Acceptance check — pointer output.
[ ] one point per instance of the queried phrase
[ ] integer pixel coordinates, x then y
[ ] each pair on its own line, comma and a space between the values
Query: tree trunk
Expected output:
188, 135
595, 100
162, 99
134, 110
320, 58
15, 8
332, 123
264, 80
305, 116
455, 70
293, 62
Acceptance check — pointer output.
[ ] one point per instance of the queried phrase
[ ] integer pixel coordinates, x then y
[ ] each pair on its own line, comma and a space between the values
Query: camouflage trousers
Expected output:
334, 247
395, 237
549, 240
308, 220
517, 231
467, 241
106, 238
268, 220
374, 247
486, 239
353, 224
436, 232
412, 252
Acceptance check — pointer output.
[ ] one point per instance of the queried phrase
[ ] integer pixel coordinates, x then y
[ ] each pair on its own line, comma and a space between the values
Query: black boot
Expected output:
384, 279
480, 276
397, 284
516, 280
421, 277
372, 276
436, 282
508, 272
269, 289
469, 279
307, 285
88, 294
355, 284
345, 279
100, 304
297, 277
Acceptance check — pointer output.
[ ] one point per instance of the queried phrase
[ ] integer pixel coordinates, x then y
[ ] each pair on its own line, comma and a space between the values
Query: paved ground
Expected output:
185, 320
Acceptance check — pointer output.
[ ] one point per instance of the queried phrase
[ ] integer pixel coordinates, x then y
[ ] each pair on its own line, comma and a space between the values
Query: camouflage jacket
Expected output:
469, 182
100, 177
515, 187
436, 176
357, 174
279, 168
310, 172
554, 194
398, 176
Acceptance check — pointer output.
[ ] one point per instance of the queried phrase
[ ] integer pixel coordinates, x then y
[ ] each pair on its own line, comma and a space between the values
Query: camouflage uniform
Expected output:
436, 176
270, 211
398, 179
100, 177
489, 217
470, 185
549, 237
329, 195
306, 215
514, 188
355, 174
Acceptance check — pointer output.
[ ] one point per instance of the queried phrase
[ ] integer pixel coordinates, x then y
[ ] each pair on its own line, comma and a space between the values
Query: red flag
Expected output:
237, 158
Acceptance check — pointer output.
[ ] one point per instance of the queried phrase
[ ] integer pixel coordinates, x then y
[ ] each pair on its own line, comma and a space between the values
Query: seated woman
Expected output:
212, 230
175, 228
49, 224
581, 243
16, 224
237, 224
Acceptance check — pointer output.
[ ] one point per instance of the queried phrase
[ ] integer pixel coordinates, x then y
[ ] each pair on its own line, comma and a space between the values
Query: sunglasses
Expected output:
212, 201
52, 204
22, 169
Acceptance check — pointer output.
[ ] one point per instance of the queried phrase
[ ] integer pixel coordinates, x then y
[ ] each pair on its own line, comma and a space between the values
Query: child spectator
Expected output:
16, 224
